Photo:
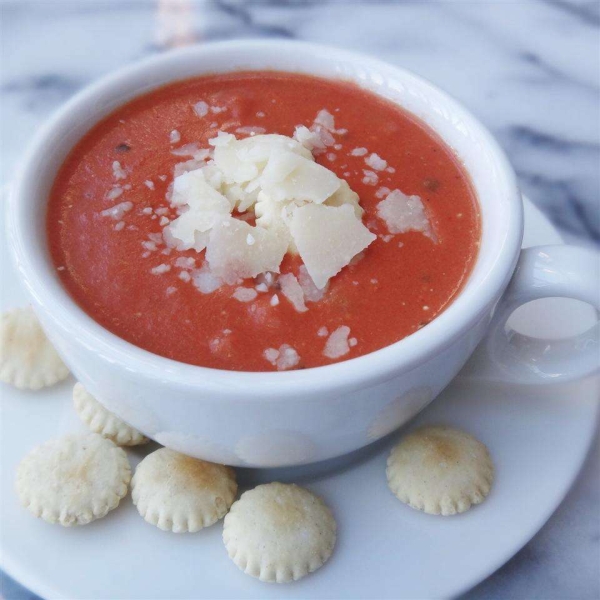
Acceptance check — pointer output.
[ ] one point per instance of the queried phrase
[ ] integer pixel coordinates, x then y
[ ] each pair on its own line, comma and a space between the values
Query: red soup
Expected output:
113, 200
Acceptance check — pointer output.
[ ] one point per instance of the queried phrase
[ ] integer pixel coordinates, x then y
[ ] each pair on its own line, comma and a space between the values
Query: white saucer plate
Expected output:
538, 438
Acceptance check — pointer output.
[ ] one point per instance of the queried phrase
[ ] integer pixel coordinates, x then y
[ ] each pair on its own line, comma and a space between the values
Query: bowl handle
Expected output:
542, 272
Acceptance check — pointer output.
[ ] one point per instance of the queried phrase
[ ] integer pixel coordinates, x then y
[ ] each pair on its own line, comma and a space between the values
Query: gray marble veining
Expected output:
529, 70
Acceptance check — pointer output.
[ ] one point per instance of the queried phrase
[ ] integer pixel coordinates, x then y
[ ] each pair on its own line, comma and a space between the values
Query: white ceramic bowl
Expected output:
295, 417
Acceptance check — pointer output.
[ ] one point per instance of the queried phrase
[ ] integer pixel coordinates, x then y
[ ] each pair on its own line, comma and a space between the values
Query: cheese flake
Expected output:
231, 258
376, 162
289, 176
284, 358
311, 292
244, 294
359, 152
118, 171
337, 343
201, 108
116, 212
327, 238
402, 213
292, 290
160, 269
205, 280
114, 192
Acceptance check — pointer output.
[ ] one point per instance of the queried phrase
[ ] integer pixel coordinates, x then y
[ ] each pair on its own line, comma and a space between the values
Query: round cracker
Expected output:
440, 470
73, 480
27, 358
180, 493
102, 421
279, 532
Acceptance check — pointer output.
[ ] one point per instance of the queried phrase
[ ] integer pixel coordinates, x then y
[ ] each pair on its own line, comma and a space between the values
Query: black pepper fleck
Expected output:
431, 184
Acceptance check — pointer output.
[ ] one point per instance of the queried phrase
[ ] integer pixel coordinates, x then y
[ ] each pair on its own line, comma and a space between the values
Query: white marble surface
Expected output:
530, 70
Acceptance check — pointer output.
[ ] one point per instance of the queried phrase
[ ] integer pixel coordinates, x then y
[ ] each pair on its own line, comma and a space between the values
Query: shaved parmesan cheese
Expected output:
118, 171
337, 344
231, 258
278, 176
311, 292
284, 358
160, 269
187, 150
324, 135
370, 177
311, 140
359, 152
116, 212
288, 176
186, 166
382, 191
325, 119
323, 332
205, 280
222, 139
206, 207
291, 289
243, 160
376, 162
157, 238
149, 184
271, 354
149, 245
272, 216
327, 238
274, 301
402, 213
185, 262
193, 190
174, 136
243, 294
114, 192
344, 195
201, 108
288, 357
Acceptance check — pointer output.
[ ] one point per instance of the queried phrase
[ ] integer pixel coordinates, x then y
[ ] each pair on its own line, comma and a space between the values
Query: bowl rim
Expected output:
463, 313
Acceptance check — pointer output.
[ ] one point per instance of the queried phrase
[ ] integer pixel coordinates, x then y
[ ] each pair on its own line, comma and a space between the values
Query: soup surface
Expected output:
109, 204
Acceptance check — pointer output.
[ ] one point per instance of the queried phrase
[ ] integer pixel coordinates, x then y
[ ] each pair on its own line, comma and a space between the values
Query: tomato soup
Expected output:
110, 203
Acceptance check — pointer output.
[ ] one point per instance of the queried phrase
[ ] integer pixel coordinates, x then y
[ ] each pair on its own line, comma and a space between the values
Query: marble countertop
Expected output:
529, 70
